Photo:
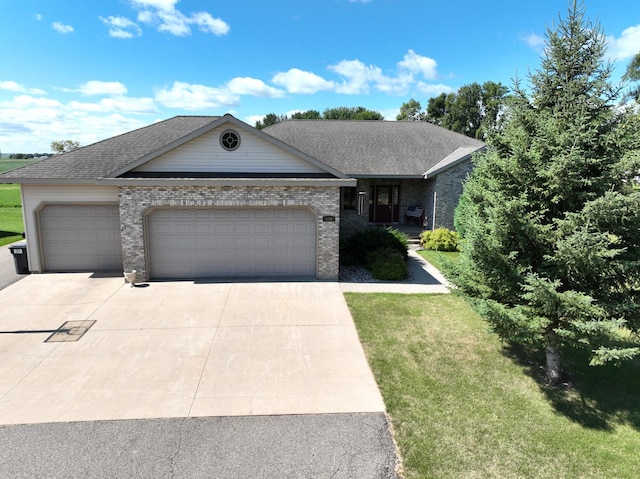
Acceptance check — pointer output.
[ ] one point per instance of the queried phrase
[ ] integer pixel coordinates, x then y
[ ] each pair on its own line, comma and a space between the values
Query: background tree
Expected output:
339, 113
307, 115
270, 119
473, 110
351, 113
63, 146
410, 111
551, 224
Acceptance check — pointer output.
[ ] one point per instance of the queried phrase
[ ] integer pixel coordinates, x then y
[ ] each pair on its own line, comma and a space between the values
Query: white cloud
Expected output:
173, 21
390, 114
358, 76
121, 27
431, 90
164, 15
132, 106
17, 87
627, 45
253, 119
159, 4
38, 16
299, 81
253, 87
95, 87
195, 97
37, 122
209, 24
26, 101
418, 64
62, 28
535, 42
359, 1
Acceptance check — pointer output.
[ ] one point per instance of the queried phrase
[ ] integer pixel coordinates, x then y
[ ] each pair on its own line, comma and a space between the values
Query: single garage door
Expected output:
231, 242
81, 238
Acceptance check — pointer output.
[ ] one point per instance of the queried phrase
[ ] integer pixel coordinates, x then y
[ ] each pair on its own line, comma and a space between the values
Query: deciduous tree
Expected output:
351, 113
410, 111
63, 146
473, 110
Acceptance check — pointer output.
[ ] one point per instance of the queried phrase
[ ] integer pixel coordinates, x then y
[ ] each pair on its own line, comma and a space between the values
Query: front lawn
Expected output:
438, 258
11, 225
464, 407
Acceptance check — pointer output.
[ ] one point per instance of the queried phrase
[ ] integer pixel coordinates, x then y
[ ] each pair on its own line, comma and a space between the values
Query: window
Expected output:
229, 140
349, 198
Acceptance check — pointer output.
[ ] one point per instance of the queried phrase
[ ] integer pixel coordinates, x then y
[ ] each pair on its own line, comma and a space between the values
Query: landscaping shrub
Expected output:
387, 264
440, 239
355, 248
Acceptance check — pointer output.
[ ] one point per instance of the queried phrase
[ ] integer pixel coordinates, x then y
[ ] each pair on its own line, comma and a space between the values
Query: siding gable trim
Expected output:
227, 119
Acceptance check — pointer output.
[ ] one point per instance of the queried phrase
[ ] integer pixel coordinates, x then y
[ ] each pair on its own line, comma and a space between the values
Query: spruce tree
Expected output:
549, 216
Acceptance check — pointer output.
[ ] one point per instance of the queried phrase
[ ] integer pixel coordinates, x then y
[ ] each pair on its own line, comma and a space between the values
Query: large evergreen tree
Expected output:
550, 220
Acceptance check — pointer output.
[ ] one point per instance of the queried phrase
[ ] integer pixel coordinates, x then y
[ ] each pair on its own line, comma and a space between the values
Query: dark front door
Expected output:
385, 204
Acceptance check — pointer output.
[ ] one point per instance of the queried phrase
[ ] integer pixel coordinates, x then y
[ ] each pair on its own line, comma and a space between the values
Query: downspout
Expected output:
435, 201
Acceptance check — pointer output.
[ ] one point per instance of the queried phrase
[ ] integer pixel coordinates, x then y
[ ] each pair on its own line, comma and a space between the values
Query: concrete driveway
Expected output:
177, 349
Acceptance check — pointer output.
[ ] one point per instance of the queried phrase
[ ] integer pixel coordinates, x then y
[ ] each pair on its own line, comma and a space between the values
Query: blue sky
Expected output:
88, 70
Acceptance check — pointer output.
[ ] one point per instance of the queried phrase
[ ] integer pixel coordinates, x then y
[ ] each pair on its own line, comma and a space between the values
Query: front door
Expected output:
385, 204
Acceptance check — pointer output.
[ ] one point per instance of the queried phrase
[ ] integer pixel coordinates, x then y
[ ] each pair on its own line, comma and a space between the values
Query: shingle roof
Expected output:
100, 159
356, 148
373, 148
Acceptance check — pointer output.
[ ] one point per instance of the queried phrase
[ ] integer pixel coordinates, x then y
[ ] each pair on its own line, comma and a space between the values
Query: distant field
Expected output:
7, 164
11, 224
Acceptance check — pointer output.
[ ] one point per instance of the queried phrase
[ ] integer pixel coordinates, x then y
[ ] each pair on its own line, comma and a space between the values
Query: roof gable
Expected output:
257, 153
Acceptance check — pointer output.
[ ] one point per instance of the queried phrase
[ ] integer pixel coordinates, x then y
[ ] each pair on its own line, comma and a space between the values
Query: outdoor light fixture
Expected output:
360, 202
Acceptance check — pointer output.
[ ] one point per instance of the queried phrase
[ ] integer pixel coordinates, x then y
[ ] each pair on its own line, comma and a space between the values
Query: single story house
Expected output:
212, 197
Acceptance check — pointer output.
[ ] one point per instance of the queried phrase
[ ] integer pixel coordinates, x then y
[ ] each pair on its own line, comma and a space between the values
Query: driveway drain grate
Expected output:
70, 331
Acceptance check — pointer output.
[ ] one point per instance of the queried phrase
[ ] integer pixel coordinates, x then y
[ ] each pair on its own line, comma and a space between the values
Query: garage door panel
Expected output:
232, 242
80, 237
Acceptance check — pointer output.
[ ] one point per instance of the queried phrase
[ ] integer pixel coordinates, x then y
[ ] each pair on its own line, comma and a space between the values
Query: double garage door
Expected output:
80, 237
195, 243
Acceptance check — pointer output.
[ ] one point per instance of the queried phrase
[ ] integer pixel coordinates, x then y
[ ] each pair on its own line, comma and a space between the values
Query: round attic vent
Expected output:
229, 140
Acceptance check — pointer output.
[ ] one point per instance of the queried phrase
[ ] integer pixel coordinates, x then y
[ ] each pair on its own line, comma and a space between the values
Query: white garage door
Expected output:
81, 238
232, 242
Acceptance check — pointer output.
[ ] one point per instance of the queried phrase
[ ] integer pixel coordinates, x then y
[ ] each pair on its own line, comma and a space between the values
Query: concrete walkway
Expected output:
424, 278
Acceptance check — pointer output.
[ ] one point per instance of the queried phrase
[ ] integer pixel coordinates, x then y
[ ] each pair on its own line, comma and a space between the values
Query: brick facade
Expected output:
136, 202
448, 187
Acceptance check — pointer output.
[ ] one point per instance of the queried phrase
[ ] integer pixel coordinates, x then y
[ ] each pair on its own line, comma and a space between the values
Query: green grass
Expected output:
438, 258
462, 406
11, 224
10, 164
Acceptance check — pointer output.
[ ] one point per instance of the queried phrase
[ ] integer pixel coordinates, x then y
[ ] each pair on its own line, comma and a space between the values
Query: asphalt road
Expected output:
7, 268
303, 446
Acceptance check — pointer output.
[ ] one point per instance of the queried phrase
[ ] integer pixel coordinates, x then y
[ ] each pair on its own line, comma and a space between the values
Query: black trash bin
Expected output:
19, 252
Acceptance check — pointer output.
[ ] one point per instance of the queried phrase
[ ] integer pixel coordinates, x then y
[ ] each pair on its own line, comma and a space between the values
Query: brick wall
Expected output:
448, 186
412, 192
138, 201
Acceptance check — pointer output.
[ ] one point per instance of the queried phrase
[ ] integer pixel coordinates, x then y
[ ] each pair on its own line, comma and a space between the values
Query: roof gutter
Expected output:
262, 182
455, 158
